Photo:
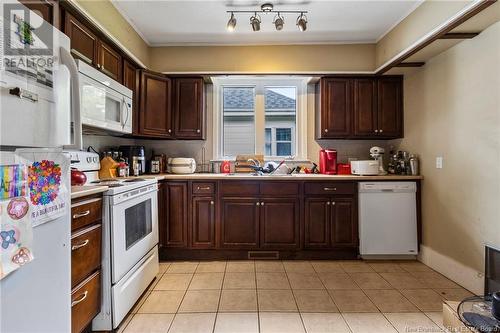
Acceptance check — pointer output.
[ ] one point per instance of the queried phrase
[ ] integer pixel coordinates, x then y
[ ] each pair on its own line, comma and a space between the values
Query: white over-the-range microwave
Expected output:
105, 104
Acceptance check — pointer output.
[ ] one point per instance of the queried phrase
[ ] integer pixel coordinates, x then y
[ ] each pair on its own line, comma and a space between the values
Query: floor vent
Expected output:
273, 255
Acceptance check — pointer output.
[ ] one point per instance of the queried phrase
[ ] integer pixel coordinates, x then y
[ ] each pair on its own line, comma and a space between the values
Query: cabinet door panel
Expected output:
188, 108
365, 107
317, 223
155, 112
130, 80
110, 61
279, 223
344, 228
336, 100
203, 222
239, 223
390, 107
84, 43
47, 9
176, 215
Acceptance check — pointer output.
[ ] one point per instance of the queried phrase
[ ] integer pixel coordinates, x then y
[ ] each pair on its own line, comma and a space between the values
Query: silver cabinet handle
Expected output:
258, 203
82, 214
262, 203
333, 203
328, 203
169, 131
82, 244
212, 203
205, 188
198, 131
380, 131
329, 188
81, 298
376, 131
326, 130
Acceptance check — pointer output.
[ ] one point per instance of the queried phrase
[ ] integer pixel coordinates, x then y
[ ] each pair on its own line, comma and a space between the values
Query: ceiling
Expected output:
203, 22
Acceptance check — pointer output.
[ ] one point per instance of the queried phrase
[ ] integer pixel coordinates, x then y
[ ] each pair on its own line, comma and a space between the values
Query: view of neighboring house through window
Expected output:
259, 117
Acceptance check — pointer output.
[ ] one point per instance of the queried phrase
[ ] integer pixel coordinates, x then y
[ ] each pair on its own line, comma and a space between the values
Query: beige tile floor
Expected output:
293, 296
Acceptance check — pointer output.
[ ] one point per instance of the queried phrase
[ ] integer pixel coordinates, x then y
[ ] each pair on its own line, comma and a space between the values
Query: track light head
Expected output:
231, 24
255, 22
302, 22
279, 21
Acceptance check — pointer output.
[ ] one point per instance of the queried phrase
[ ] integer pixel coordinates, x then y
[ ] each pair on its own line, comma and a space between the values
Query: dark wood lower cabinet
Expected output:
279, 223
174, 232
330, 222
239, 223
228, 218
203, 222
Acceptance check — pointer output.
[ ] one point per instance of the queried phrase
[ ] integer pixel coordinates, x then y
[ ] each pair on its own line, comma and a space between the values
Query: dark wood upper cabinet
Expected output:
343, 225
203, 222
188, 108
175, 231
110, 61
335, 104
279, 223
360, 108
390, 107
239, 223
365, 107
47, 9
131, 81
84, 43
155, 115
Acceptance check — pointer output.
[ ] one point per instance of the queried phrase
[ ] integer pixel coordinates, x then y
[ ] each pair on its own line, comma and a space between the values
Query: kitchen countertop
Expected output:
243, 176
82, 191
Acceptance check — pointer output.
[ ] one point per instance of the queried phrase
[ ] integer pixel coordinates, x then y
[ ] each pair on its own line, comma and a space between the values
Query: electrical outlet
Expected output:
439, 162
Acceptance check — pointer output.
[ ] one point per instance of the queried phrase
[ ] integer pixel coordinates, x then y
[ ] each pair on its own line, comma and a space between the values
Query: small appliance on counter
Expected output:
365, 168
181, 165
85, 162
377, 154
328, 161
136, 157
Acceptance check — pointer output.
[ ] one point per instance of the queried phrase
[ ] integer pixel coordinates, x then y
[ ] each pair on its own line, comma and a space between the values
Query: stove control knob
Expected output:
95, 159
89, 159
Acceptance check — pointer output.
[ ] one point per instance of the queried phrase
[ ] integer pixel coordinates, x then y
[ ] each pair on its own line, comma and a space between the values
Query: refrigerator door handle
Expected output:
68, 61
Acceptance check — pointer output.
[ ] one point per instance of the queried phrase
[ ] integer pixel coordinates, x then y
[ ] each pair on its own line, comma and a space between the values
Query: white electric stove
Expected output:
130, 239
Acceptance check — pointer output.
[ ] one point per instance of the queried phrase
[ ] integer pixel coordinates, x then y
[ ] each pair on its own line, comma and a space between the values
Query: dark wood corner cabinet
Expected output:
171, 107
210, 219
86, 240
364, 107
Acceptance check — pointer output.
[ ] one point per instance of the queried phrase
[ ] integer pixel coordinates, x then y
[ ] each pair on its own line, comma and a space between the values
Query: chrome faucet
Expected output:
255, 162
256, 166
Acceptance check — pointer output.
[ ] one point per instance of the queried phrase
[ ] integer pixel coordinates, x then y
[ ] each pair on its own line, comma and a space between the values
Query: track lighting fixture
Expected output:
278, 21
302, 22
255, 22
231, 24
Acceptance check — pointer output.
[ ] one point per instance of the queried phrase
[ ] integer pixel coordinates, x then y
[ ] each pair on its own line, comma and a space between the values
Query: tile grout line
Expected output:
295, 299
220, 296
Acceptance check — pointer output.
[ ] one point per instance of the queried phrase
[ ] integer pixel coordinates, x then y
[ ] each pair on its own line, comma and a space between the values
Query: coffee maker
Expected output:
328, 161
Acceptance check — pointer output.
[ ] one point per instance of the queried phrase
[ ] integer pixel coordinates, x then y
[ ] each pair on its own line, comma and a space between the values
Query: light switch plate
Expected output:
439, 162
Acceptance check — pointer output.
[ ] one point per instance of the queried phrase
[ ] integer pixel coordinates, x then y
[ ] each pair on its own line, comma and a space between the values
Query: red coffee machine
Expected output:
328, 161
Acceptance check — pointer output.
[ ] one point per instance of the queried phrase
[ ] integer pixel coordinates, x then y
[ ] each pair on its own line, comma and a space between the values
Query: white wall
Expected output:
452, 109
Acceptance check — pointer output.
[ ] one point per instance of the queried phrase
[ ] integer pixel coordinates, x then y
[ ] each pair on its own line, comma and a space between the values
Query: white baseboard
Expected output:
465, 276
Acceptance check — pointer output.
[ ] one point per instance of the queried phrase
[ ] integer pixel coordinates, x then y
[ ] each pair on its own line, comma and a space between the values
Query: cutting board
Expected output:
241, 164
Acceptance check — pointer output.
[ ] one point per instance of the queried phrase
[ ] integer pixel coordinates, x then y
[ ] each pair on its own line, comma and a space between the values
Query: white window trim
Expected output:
250, 81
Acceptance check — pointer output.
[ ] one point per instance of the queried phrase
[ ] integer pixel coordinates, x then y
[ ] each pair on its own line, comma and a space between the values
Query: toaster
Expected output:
181, 165
364, 168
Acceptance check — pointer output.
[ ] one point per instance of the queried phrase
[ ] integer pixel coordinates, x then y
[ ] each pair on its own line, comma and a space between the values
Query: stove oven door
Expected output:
134, 231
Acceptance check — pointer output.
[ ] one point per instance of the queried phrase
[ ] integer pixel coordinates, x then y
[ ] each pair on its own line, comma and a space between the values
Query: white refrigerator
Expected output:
36, 121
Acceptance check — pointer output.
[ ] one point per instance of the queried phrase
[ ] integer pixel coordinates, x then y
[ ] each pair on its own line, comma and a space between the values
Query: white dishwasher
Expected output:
387, 219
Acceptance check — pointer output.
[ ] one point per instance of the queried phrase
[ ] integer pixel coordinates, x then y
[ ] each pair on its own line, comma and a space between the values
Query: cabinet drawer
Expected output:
279, 188
239, 188
85, 212
203, 188
85, 302
85, 253
330, 188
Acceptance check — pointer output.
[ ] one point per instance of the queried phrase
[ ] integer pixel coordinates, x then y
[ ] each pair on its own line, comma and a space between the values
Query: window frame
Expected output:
259, 83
